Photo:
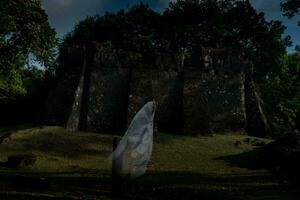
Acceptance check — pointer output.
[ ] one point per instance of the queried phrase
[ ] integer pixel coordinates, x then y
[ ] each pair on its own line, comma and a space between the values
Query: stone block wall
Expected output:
141, 91
166, 88
108, 100
197, 114
225, 98
168, 92
104, 93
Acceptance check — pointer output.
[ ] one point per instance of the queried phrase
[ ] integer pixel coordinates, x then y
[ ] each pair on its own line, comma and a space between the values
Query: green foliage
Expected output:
33, 79
187, 26
11, 84
27, 108
227, 24
282, 158
282, 94
280, 85
24, 30
290, 7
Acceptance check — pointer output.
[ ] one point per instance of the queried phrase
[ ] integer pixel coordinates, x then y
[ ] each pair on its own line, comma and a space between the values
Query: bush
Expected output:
282, 158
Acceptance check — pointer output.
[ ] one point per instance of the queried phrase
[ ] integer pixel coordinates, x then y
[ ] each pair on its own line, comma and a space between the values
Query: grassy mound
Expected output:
58, 150
76, 164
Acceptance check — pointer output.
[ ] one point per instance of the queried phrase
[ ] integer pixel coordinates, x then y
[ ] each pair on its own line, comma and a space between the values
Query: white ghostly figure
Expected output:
133, 153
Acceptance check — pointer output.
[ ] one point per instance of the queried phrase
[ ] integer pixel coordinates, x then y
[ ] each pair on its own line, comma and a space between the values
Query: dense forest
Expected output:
73, 164
185, 26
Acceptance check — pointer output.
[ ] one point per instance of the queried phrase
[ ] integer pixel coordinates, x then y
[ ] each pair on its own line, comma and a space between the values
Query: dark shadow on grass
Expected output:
249, 160
159, 185
13, 128
183, 185
72, 185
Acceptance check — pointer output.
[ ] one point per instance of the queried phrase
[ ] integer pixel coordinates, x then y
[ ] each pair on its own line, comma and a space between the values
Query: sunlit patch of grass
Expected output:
218, 167
59, 150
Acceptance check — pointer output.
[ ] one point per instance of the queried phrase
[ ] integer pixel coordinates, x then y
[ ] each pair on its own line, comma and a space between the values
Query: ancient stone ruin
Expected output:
103, 88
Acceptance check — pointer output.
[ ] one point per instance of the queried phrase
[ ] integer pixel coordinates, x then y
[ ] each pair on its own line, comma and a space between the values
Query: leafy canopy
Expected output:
290, 7
24, 32
187, 26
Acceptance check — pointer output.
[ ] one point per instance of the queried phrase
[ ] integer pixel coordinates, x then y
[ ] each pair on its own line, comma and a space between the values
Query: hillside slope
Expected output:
76, 164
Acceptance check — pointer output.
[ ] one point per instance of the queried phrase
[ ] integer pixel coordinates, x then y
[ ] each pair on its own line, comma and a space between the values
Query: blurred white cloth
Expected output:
133, 153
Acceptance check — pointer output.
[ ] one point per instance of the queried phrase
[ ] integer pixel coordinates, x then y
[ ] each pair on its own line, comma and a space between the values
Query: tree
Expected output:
237, 25
133, 31
24, 33
229, 24
290, 7
281, 92
187, 26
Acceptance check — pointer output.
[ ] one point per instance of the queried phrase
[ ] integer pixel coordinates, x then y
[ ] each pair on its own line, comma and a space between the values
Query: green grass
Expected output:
76, 164
59, 150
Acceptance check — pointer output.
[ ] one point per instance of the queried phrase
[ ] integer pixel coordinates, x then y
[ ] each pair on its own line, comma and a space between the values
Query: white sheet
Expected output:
133, 153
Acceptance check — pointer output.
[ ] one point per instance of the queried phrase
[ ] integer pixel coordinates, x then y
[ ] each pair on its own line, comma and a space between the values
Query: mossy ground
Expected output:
76, 165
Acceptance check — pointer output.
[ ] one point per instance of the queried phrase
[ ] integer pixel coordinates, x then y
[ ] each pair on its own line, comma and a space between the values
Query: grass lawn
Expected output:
76, 166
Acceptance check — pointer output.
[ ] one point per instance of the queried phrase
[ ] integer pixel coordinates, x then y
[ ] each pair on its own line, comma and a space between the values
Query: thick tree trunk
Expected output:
257, 124
74, 118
